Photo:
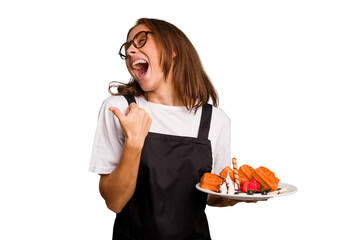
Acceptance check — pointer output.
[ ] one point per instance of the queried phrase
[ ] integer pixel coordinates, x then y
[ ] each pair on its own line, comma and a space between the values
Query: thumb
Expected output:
116, 112
130, 108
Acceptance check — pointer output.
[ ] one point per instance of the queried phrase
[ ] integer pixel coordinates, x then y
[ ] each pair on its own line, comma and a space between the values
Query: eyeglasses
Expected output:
138, 41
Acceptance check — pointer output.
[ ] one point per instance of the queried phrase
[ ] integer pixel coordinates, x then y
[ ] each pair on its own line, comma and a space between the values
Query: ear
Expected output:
173, 54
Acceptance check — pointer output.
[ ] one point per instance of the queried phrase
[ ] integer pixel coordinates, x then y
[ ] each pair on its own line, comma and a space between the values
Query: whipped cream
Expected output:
222, 188
228, 186
231, 185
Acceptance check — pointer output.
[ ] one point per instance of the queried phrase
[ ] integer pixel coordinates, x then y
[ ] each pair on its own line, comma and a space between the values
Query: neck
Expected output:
165, 96
165, 93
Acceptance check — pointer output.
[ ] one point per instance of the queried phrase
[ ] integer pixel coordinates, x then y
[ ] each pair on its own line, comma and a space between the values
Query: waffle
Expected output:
210, 181
247, 172
266, 178
227, 171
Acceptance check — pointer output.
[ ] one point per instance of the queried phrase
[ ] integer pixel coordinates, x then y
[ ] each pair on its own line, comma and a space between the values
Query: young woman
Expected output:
157, 136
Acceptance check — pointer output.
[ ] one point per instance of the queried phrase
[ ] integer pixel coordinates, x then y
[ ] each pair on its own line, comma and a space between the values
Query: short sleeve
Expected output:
221, 144
108, 142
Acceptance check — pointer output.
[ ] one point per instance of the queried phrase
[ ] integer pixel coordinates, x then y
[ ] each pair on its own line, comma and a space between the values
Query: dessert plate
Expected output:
290, 189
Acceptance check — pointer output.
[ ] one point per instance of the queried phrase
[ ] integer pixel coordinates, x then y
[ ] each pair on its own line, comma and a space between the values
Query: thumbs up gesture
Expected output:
135, 124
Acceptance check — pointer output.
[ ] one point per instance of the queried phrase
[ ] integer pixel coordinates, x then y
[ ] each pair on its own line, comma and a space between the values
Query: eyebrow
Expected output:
127, 39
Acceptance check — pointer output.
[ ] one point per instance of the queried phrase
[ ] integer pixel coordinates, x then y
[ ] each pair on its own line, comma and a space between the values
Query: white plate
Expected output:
290, 189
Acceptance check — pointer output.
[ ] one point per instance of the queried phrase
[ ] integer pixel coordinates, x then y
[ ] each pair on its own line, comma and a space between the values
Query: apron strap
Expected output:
205, 121
130, 99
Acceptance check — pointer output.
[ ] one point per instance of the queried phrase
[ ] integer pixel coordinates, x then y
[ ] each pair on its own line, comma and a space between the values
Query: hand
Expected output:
135, 124
217, 201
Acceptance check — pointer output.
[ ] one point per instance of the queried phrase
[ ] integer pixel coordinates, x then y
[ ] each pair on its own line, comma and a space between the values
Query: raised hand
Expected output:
135, 124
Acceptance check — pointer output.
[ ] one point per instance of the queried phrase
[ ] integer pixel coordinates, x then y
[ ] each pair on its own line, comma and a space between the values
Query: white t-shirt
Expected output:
171, 120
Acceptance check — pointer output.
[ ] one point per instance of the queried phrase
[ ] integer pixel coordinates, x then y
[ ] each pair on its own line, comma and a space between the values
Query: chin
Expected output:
145, 86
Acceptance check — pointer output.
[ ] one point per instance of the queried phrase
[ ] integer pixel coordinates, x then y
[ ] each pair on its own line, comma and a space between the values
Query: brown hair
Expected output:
192, 85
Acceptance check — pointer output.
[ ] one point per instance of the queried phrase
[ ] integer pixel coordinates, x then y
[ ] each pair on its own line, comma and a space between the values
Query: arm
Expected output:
118, 187
216, 201
222, 153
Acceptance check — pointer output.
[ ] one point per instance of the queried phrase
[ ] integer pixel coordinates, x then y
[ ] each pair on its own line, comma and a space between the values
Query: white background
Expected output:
287, 73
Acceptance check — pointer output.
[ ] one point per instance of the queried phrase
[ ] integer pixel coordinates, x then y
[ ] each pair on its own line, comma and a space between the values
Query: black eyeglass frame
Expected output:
128, 44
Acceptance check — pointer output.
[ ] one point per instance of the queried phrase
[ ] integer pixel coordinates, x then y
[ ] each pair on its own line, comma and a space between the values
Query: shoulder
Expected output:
118, 101
115, 100
220, 117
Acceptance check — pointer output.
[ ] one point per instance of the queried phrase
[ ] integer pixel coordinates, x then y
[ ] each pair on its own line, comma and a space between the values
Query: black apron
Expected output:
166, 204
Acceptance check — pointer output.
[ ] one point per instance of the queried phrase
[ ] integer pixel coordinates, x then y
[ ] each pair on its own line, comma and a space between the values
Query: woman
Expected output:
159, 137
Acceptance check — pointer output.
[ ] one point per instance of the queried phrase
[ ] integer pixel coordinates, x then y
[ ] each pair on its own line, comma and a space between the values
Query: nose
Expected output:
131, 50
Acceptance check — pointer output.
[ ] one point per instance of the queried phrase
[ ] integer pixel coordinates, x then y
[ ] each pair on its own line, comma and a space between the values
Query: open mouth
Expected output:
140, 67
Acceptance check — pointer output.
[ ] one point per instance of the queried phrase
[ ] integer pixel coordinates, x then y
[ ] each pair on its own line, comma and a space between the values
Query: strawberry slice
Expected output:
253, 185
244, 185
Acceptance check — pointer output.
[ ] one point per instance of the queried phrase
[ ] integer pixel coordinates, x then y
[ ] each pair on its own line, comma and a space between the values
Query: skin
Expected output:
158, 90
135, 125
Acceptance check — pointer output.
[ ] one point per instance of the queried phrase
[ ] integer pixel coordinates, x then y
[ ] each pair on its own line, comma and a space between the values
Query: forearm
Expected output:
118, 187
216, 201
